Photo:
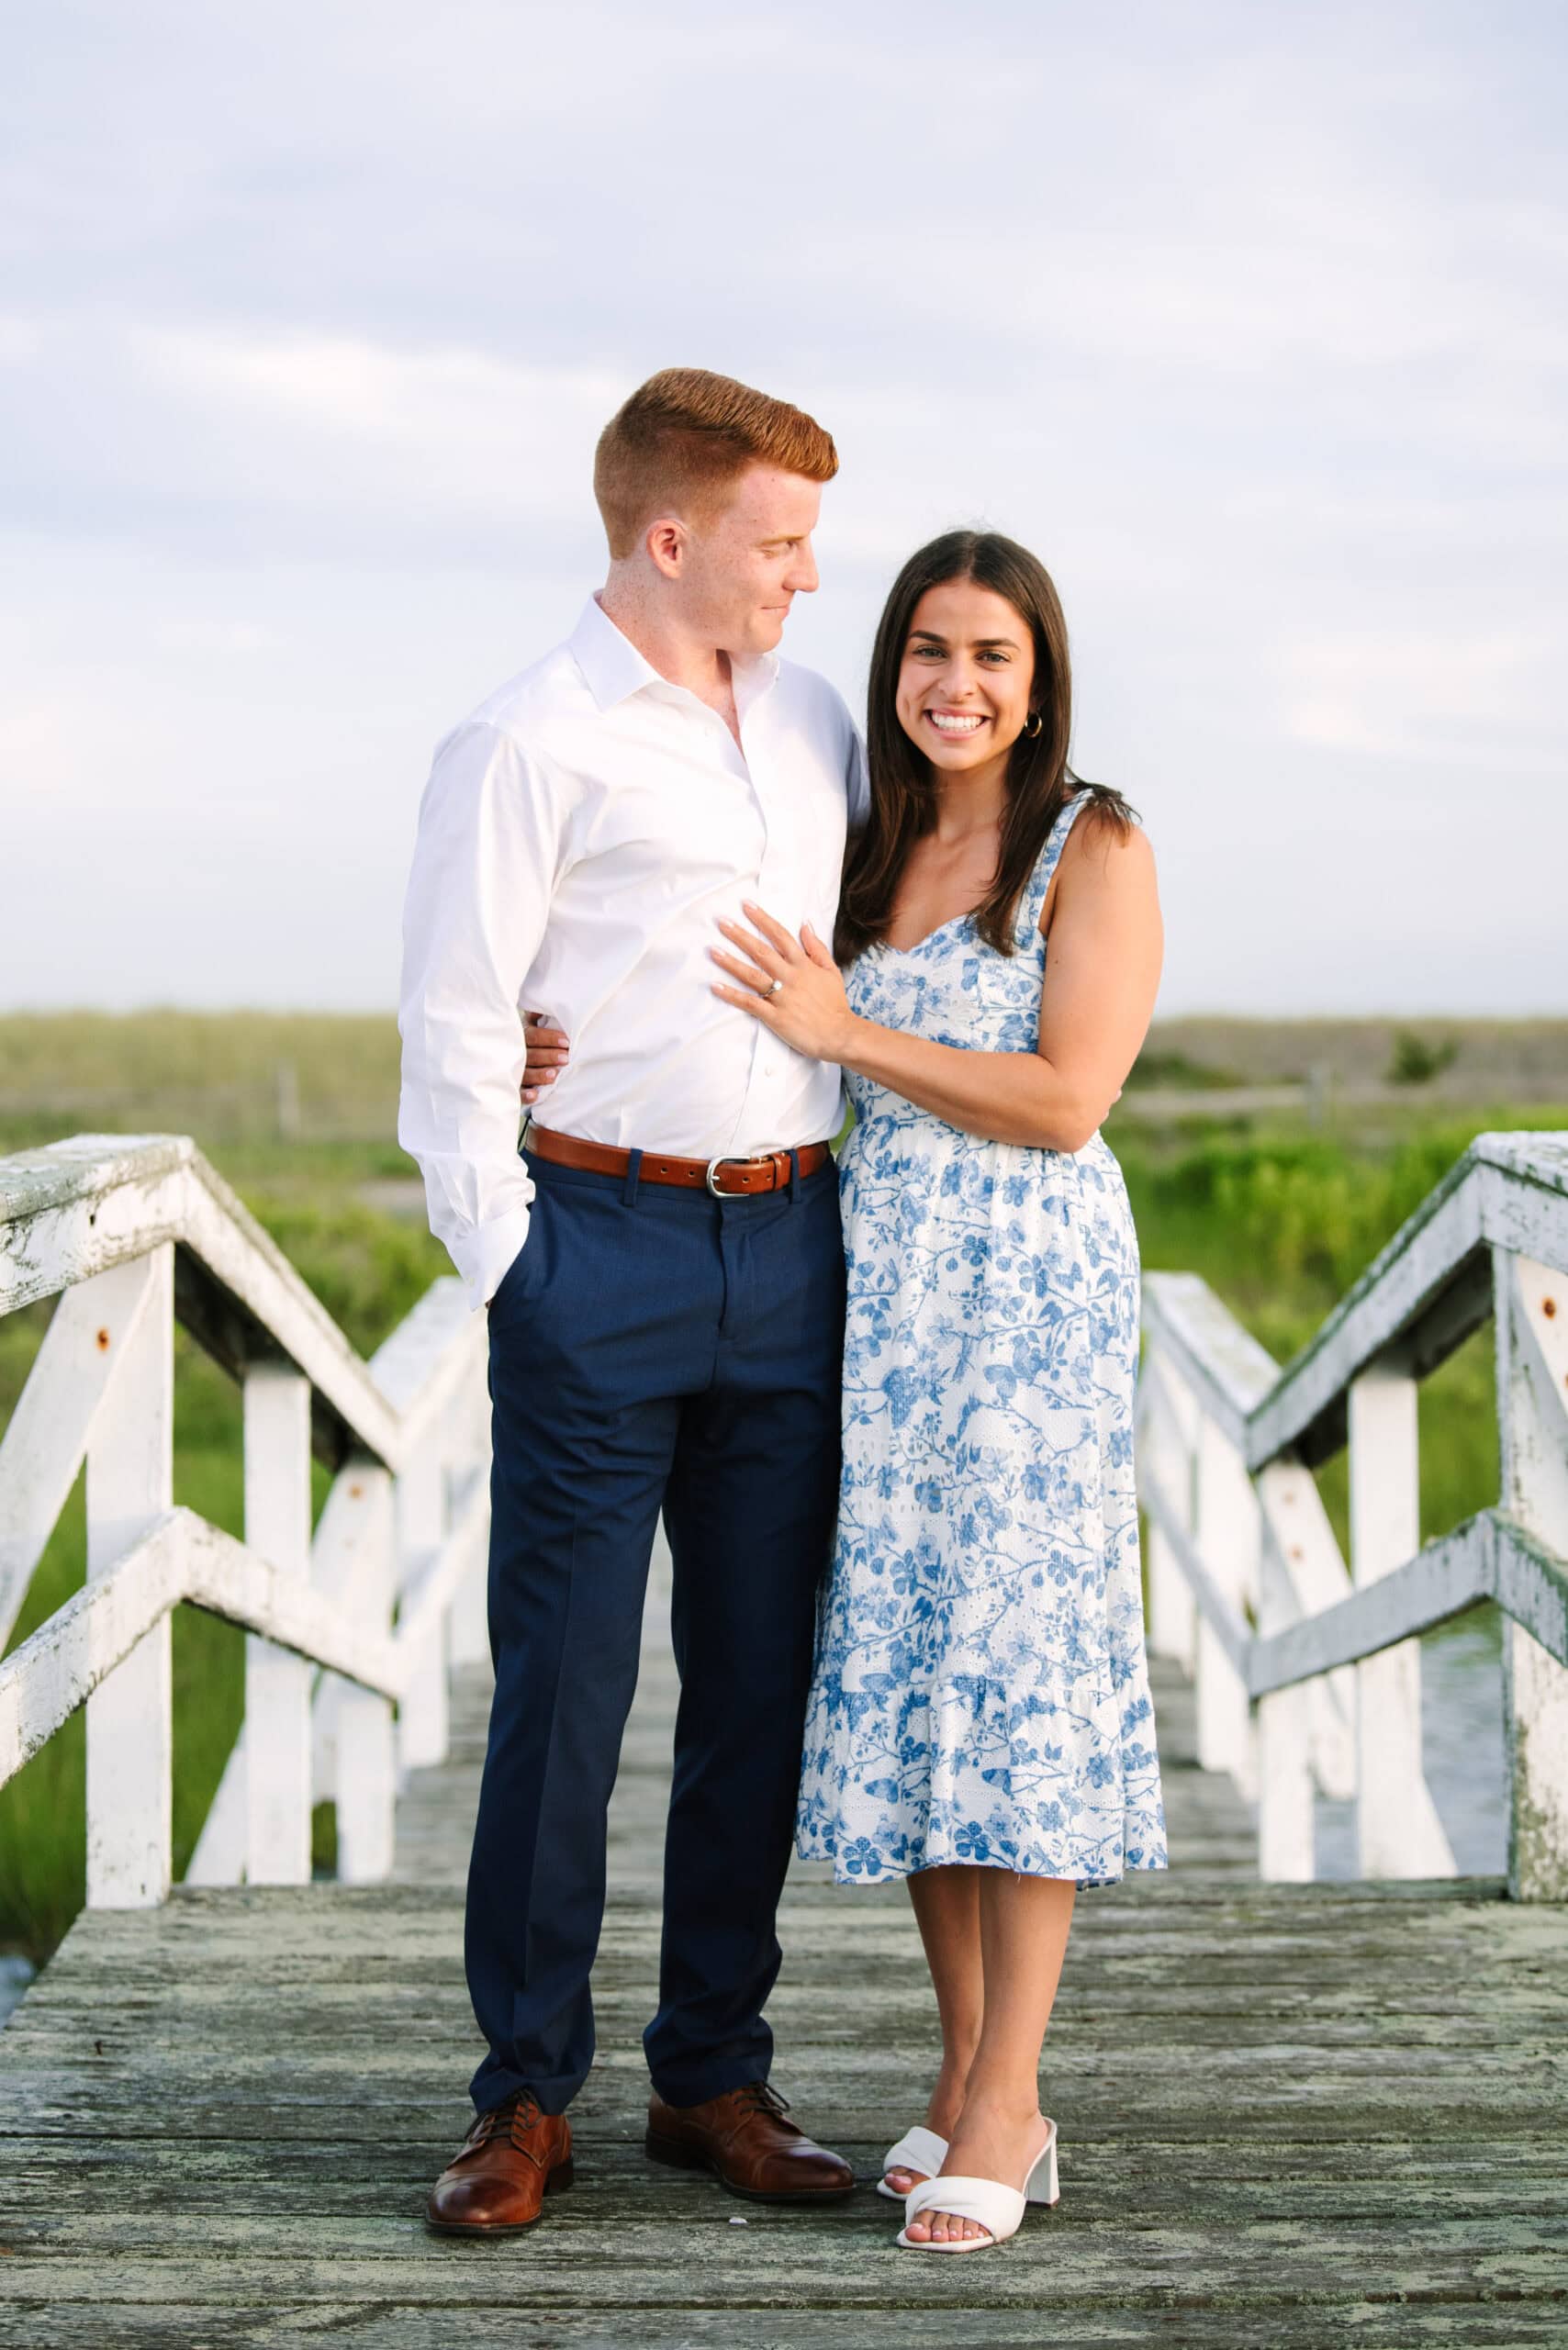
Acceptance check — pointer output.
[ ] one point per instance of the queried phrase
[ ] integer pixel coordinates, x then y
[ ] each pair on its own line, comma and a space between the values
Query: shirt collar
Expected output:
611, 662
615, 669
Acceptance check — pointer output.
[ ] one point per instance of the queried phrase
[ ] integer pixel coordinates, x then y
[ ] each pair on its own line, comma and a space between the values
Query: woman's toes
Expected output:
946, 2227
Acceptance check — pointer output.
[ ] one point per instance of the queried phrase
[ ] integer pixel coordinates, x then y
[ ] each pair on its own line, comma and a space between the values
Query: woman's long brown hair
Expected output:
903, 784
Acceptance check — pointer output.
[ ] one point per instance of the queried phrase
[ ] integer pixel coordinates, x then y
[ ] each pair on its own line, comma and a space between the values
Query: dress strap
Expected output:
1033, 896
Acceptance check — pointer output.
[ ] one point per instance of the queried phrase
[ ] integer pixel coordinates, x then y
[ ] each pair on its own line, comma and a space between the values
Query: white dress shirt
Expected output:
579, 839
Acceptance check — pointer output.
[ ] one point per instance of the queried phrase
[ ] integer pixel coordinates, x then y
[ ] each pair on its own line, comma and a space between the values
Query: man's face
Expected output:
747, 563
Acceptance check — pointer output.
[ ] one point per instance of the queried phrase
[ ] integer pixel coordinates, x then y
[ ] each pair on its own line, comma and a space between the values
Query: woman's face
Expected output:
966, 676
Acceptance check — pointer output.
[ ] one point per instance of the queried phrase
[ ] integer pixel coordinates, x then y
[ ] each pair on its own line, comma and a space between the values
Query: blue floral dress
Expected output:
982, 1691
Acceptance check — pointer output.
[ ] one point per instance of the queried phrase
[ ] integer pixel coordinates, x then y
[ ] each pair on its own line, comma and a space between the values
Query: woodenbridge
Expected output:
1291, 2112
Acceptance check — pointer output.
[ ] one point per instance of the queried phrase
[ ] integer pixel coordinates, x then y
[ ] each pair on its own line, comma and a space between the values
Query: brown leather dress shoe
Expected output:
744, 2139
511, 2159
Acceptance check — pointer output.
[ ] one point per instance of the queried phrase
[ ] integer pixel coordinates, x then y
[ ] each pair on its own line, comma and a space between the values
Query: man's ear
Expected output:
666, 541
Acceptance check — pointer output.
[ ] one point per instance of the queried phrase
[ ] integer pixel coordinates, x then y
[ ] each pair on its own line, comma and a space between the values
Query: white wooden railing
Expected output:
348, 1622
1308, 1671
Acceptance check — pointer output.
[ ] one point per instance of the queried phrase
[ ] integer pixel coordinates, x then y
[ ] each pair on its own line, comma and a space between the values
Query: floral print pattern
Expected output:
981, 1692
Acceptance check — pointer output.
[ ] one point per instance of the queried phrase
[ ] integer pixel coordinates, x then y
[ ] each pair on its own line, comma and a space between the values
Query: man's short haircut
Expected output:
684, 438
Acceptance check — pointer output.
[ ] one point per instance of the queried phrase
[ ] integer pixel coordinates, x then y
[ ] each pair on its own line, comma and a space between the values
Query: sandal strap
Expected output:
993, 2205
918, 2149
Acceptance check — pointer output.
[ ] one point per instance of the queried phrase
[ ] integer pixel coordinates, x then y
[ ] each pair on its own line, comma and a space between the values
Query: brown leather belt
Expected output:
726, 1178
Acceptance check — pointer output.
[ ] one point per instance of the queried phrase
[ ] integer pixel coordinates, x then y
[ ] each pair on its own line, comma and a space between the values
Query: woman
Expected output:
979, 1720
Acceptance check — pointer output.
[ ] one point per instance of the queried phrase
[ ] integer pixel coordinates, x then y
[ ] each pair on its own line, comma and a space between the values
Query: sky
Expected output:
1249, 320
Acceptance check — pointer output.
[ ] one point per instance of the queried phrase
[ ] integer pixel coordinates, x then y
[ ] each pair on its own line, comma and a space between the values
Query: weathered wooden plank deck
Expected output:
1288, 2115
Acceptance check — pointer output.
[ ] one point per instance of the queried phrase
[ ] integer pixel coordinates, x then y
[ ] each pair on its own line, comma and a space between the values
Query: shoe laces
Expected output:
514, 2118
761, 2097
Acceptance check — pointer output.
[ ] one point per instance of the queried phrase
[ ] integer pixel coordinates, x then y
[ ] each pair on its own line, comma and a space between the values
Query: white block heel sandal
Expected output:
919, 2149
998, 2208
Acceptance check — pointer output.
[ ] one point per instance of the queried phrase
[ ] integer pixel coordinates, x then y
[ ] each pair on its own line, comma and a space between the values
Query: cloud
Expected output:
1251, 321
418, 403
265, 443
214, 636
1427, 698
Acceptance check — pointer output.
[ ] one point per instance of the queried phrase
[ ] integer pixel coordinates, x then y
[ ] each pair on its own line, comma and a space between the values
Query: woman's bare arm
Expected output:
1105, 948
1102, 976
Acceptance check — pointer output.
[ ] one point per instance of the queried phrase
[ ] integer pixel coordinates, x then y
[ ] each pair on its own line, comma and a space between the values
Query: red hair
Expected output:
684, 438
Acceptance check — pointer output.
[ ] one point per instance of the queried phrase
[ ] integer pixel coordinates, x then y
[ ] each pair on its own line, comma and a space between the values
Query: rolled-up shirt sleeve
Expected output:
484, 870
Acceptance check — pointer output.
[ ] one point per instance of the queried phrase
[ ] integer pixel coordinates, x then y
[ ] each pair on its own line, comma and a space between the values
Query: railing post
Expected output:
1533, 1411
1300, 1540
1287, 1840
423, 1712
470, 1632
277, 1685
365, 1762
1167, 1433
1225, 1529
129, 1483
1397, 1830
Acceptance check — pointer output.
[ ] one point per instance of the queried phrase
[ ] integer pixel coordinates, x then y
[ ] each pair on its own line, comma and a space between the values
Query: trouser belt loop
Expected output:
795, 1177
633, 1176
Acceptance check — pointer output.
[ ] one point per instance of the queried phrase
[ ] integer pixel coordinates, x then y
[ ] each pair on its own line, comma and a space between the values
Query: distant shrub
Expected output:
1178, 1070
1416, 1062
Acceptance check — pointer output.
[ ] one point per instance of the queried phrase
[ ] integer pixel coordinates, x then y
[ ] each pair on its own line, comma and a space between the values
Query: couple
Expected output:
644, 834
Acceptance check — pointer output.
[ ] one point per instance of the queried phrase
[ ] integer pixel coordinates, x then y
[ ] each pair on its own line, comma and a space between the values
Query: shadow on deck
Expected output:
1289, 2115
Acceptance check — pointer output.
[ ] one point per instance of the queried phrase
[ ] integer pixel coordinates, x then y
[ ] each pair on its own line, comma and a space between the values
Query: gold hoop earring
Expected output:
1033, 725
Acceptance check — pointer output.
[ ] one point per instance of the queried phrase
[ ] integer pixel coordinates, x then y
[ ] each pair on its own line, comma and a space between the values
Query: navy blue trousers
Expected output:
651, 1348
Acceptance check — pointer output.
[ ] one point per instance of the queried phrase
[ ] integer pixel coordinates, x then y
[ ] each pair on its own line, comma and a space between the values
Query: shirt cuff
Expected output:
490, 1252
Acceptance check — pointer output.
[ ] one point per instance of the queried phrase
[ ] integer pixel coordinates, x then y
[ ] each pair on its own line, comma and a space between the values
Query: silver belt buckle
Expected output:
739, 1159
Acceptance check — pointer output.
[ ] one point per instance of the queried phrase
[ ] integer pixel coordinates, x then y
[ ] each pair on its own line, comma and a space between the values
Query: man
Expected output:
662, 1269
